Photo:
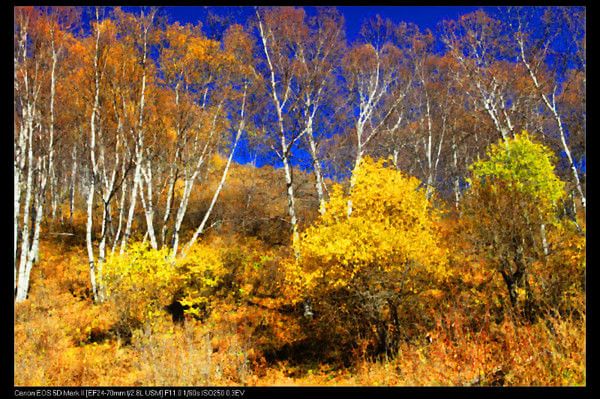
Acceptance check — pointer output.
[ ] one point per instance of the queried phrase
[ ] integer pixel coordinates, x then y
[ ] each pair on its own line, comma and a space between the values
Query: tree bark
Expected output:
239, 132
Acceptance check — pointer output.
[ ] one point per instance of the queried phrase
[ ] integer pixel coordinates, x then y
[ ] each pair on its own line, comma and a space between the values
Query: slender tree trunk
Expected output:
19, 162
357, 160
25, 242
139, 142
148, 205
73, 184
283, 142
290, 195
552, 107
544, 241
19, 166
319, 182
189, 184
88, 237
38, 206
239, 132
93, 168
102, 250
132, 203
168, 206
456, 174
569, 156
429, 146
51, 167
121, 209
17, 206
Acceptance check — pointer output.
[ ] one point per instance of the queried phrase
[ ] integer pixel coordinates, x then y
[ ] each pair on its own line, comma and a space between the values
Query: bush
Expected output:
359, 270
199, 274
140, 282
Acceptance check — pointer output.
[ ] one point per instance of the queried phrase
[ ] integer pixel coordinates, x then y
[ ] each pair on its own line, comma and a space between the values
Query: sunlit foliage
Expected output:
363, 266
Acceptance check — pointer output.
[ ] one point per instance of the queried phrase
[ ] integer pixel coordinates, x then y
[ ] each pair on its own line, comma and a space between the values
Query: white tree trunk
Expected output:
34, 251
552, 107
357, 160
283, 142
25, 243
148, 205
88, 238
170, 199
132, 203
73, 184
202, 225
544, 241
213, 201
93, 167
20, 148
319, 182
51, 168
429, 190
102, 251
19, 165
456, 174
121, 209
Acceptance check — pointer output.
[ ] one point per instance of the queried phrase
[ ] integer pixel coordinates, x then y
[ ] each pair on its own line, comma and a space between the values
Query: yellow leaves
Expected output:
202, 49
218, 161
171, 134
433, 293
106, 26
143, 281
390, 229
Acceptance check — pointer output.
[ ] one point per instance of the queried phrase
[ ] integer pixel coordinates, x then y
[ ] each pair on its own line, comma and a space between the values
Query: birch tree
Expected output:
319, 55
376, 76
477, 41
192, 64
279, 47
240, 83
30, 147
534, 55
97, 56
39, 39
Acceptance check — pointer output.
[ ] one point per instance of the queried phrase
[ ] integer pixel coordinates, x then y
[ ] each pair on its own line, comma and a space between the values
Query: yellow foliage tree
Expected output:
143, 281
360, 267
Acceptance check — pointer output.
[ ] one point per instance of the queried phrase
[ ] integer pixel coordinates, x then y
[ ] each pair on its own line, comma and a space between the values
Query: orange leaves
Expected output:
361, 58
202, 52
107, 27
286, 23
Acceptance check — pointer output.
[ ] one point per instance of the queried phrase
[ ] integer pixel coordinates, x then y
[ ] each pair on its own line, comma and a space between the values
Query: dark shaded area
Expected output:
308, 351
176, 310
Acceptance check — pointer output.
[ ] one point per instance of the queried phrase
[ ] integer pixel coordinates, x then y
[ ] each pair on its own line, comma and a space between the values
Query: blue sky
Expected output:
424, 16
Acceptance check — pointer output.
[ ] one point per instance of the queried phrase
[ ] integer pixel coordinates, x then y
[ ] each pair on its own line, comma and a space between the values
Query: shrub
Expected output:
360, 269
140, 282
199, 274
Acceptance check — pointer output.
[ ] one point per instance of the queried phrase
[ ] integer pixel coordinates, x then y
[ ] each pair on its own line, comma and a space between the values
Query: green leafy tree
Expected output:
514, 194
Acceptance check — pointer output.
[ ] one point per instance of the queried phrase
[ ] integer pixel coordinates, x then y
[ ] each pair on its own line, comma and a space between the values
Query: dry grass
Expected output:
61, 338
